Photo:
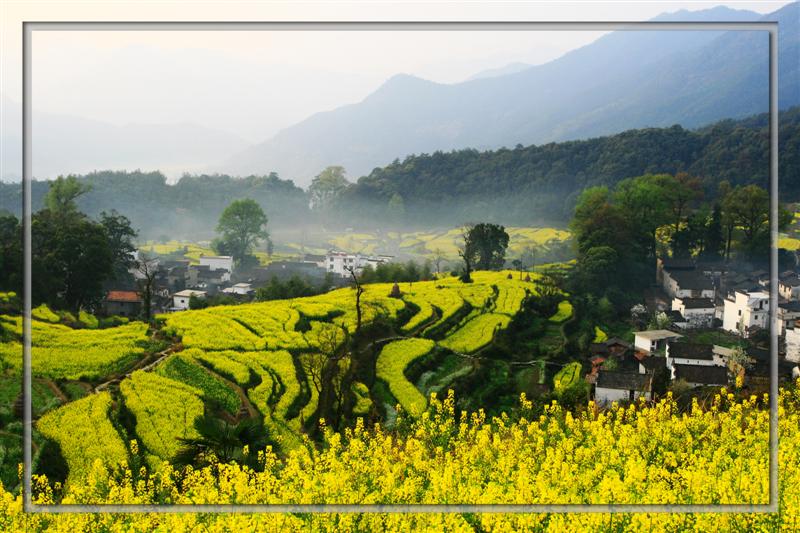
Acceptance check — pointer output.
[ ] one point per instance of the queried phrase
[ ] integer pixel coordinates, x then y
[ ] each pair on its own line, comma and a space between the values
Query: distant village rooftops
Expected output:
702, 375
688, 350
123, 296
697, 303
188, 293
658, 334
624, 380
692, 280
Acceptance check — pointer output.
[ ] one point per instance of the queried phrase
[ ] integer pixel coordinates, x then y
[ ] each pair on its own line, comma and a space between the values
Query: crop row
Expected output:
477, 333
391, 365
165, 411
85, 434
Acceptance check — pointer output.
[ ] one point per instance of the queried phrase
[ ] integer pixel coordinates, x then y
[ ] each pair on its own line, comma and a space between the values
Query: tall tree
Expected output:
644, 201
120, 240
327, 187
490, 242
10, 254
727, 219
71, 260
468, 252
63, 193
714, 241
681, 191
748, 208
241, 225
148, 271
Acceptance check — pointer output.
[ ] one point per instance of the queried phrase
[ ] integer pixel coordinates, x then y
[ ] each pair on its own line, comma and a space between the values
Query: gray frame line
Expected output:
29, 26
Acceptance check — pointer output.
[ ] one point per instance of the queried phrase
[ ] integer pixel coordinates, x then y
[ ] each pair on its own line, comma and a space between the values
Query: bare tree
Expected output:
359, 291
147, 268
327, 369
438, 259
467, 252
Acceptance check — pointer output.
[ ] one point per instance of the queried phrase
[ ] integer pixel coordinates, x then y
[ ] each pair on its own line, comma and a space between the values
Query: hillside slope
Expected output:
628, 79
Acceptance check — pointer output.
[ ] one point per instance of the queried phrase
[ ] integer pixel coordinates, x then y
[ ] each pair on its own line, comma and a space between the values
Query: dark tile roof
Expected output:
791, 307
704, 375
691, 280
675, 316
654, 363
759, 354
697, 303
689, 350
793, 281
624, 380
678, 264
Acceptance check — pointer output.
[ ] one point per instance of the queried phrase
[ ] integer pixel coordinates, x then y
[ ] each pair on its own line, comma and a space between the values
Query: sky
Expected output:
253, 84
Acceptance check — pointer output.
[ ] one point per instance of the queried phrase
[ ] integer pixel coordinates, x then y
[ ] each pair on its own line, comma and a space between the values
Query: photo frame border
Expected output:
28, 27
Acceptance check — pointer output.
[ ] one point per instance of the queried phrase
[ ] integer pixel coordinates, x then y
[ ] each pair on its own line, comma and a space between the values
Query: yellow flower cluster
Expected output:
165, 410
84, 433
390, 367
476, 333
638, 454
564, 312
61, 352
567, 376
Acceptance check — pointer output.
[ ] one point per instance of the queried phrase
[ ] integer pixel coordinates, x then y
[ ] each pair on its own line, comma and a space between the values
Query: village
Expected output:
694, 303
712, 318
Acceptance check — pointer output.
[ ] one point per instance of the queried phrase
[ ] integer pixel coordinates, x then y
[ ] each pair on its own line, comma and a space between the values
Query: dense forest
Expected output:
190, 208
537, 184
520, 186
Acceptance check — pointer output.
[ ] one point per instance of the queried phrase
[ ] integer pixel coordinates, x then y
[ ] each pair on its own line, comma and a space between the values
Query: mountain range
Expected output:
625, 79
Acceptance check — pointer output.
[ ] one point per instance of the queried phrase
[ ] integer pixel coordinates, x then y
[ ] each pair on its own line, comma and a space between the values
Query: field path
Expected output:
56, 390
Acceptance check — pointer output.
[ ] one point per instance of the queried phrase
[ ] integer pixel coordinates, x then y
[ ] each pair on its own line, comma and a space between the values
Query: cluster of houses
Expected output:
178, 281
701, 296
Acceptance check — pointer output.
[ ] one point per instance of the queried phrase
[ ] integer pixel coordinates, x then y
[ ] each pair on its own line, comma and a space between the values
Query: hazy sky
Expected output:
253, 84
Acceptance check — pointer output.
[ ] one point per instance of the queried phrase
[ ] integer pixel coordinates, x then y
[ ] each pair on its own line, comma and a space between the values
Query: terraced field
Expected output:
257, 360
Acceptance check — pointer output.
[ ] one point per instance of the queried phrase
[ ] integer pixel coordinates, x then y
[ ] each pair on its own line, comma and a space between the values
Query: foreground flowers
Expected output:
639, 454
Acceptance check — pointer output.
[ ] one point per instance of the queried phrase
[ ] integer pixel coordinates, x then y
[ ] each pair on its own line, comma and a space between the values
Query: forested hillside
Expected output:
623, 80
521, 186
541, 183
189, 208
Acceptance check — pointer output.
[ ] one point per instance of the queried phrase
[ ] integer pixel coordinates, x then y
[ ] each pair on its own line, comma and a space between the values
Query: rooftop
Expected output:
688, 350
624, 380
123, 296
188, 293
791, 307
697, 303
654, 363
703, 375
658, 334
691, 280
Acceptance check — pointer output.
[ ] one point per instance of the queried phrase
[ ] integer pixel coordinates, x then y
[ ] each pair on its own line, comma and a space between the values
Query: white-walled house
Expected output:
745, 311
654, 340
793, 344
788, 313
622, 386
240, 289
180, 300
338, 263
698, 312
687, 284
692, 354
789, 287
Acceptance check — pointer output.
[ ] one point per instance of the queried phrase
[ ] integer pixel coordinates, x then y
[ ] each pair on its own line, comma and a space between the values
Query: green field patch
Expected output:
390, 367
568, 376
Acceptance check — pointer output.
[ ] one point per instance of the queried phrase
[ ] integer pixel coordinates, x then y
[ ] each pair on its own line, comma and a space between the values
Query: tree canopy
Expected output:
241, 226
